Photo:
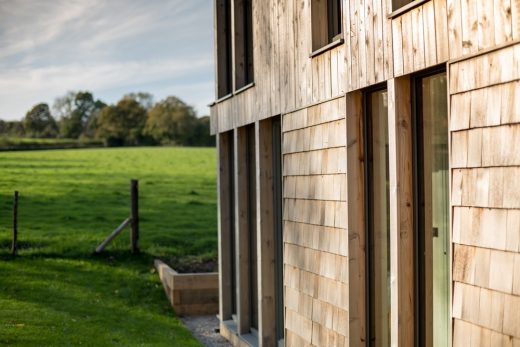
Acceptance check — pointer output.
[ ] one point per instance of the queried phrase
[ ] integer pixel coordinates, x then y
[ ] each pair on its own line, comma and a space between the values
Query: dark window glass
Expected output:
432, 209
326, 22
253, 257
232, 239
243, 43
334, 19
397, 4
224, 56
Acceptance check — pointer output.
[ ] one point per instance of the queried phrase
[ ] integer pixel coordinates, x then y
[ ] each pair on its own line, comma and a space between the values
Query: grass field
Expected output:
28, 143
56, 293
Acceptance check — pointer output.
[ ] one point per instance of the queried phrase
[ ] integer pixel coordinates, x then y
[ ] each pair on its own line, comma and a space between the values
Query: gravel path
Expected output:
203, 328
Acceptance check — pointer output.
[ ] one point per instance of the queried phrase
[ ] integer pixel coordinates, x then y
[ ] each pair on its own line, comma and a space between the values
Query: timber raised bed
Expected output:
189, 293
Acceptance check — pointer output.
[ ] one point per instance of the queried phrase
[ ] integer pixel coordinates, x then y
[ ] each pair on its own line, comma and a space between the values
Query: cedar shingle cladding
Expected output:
309, 93
315, 234
485, 160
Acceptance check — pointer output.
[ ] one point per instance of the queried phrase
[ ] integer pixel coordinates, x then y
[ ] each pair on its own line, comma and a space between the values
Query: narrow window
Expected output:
243, 17
326, 22
278, 229
253, 257
333, 19
431, 175
232, 238
377, 214
397, 4
224, 56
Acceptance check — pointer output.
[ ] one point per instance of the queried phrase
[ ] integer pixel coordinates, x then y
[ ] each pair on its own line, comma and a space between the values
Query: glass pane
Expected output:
379, 220
436, 206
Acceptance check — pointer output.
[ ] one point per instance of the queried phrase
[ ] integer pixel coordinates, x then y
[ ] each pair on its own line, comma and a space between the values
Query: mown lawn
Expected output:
56, 292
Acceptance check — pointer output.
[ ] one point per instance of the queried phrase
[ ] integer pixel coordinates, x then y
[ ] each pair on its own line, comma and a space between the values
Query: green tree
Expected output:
201, 134
122, 124
171, 121
75, 110
12, 128
38, 122
143, 98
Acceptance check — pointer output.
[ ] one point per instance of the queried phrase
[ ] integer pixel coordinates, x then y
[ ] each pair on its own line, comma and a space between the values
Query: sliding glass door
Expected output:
432, 210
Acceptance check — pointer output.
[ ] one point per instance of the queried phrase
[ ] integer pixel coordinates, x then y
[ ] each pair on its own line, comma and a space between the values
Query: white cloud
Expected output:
43, 24
20, 86
107, 47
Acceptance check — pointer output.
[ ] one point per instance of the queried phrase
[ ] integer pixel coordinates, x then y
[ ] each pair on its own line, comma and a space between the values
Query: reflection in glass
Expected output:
433, 195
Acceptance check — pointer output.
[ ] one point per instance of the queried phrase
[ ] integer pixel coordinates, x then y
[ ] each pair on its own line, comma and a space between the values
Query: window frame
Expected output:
418, 196
368, 213
332, 40
243, 61
399, 10
224, 49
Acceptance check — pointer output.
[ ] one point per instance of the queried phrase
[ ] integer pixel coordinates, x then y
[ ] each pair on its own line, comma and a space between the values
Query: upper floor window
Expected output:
326, 22
243, 18
234, 31
397, 4
224, 55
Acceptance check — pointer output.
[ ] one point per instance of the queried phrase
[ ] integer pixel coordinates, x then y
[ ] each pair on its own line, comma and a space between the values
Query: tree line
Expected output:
134, 120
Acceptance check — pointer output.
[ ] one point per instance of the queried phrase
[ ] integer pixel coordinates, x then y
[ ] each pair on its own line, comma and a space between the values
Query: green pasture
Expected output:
56, 292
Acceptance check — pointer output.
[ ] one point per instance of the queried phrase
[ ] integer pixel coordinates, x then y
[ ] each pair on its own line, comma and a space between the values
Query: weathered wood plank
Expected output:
355, 212
454, 28
401, 220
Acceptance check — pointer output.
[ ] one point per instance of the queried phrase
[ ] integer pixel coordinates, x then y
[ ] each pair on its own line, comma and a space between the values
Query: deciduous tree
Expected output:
38, 122
122, 124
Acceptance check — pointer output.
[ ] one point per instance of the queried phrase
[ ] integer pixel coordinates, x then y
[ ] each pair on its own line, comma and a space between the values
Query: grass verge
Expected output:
57, 292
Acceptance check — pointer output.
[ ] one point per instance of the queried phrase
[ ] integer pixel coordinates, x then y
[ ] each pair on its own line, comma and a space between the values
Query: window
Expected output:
224, 68
243, 43
377, 218
234, 45
232, 231
397, 4
326, 23
431, 183
253, 256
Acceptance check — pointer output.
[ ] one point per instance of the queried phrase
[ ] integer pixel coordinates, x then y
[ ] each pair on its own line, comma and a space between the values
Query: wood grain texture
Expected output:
265, 232
242, 231
225, 227
356, 221
485, 199
315, 221
401, 213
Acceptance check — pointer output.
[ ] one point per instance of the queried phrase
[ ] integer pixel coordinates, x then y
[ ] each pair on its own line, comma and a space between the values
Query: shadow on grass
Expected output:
115, 295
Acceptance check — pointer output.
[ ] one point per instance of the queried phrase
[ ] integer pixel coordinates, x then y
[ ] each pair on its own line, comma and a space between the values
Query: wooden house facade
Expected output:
369, 172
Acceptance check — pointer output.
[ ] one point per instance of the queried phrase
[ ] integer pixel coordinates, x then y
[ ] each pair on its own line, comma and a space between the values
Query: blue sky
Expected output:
109, 47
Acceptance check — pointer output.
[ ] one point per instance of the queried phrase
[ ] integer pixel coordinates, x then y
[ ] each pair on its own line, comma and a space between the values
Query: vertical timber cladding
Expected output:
315, 235
485, 198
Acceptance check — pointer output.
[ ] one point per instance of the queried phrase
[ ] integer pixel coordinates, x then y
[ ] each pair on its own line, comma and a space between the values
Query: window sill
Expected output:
406, 8
246, 87
327, 47
230, 95
248, 339
225, 97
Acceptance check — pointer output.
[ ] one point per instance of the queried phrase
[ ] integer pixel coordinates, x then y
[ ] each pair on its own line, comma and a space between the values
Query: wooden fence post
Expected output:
14, 246
134, 187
